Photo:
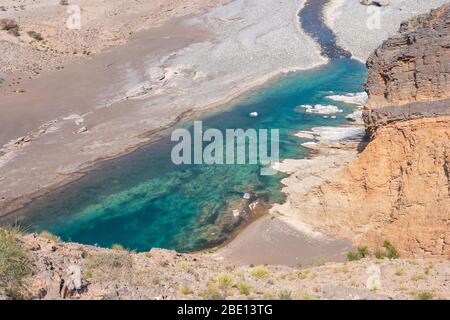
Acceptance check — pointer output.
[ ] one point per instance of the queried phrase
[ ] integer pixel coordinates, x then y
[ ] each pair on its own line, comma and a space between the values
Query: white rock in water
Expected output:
253, 114
339, 134
305, 135
321, 109
247, 196
310, 145
333, 117
355, 116
359, 98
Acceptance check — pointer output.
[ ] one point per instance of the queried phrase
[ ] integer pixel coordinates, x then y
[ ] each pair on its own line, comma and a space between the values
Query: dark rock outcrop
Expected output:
412, 67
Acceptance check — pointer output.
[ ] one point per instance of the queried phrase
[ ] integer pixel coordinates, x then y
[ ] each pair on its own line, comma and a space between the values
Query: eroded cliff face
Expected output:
414, 65
410, 70
398, 189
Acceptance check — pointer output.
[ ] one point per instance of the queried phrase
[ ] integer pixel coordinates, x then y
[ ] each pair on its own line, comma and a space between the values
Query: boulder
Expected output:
378, 3
73, 281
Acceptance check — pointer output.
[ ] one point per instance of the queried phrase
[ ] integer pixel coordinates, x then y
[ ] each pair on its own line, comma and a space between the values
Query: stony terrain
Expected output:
398, 189
56, 270
362, 25
96, 26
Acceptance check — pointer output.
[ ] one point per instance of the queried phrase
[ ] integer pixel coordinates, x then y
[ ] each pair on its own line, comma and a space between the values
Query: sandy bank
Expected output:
114, 102
361, 29
260, 243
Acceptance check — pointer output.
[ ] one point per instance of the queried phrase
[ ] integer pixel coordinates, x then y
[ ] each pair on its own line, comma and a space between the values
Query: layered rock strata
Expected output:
398, 189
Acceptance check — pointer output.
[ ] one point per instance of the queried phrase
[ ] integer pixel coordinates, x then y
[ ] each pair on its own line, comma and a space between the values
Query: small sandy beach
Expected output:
270, 240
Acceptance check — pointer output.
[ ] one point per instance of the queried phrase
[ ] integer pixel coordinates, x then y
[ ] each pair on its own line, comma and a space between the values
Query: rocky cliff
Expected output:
399, 186
410, 70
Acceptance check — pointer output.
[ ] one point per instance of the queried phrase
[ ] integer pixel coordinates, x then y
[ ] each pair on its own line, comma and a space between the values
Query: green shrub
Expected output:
391, 252
14, 265
49, 236
380, 254
243, 288
117, 247
425, 296
260, 272
400, 272
303, 274
212, 292
225, 281
186, 290
361, 252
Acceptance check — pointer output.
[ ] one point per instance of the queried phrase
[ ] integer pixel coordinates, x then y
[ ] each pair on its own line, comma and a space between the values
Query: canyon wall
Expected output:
409, 71
398, 189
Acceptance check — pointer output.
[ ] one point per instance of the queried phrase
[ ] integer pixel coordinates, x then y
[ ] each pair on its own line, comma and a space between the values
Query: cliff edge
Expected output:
398, 189
409, 74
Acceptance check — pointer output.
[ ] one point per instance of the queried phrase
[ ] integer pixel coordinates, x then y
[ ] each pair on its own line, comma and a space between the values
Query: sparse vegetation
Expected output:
304, 274
428, 268
212, 292
260, 272
360, 253
186, 290
117, 247
388, 251
309, 297
225, 281
379, 254
418, 277
268, 296
109, 265
400, 272
425, 295
35, 35
243, 288
49, 236
183, 265
391, 252
14, 265
285, 295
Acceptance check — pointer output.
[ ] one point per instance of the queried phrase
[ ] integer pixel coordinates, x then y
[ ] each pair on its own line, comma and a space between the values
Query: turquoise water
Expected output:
143, 201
